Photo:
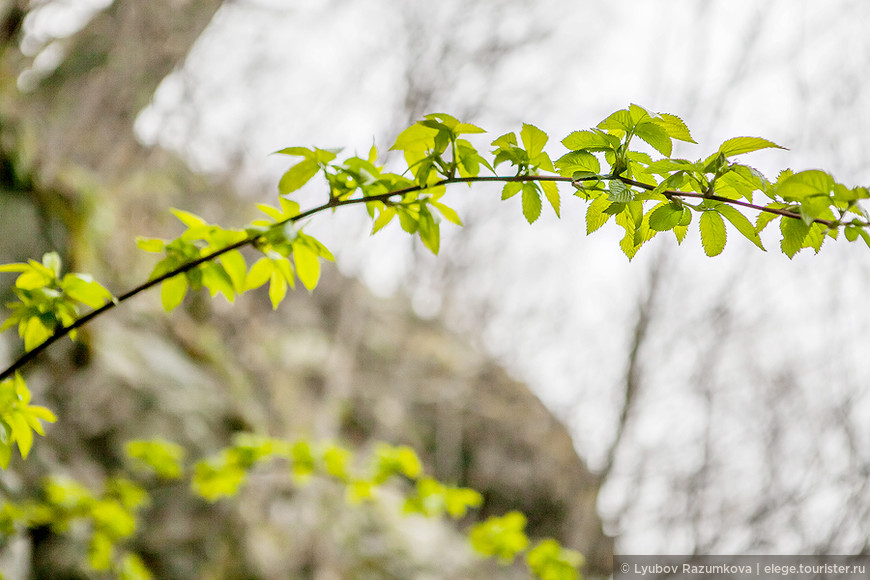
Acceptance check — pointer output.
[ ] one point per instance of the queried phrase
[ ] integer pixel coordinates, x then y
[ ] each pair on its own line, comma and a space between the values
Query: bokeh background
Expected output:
716, 405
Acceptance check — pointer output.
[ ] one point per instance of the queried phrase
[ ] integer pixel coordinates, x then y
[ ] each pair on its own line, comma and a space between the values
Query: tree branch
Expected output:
385, 198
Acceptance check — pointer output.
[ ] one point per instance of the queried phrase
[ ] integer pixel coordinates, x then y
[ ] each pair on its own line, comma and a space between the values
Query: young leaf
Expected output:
666, 217
307, 265
533, 140
551, 191
531, 201
259, 273
510, 189
462, 128
595, 214
588, 141
712, 233
429, 230
172, 291
235, 267
573, 161
739, 145
619, 192
806, 184
656, 136
297, 176
417, 137
277, 287
619, 122
448, 212
740, 221
674, 127
187, 218
794, 232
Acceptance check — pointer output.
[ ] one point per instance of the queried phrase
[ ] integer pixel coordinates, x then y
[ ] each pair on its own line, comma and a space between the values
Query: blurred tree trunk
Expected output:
83, 112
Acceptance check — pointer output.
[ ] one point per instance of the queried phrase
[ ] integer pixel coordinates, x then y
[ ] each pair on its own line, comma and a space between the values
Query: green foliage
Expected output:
18, 418
501, 537
550, 561
47, 300
643, 195
163, 458
110, 518
104, 520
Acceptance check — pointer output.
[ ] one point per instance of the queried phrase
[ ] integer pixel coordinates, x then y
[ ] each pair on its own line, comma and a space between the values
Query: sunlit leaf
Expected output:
172, 291
739, 145
533, 140
531, 201
713, 235
551, 191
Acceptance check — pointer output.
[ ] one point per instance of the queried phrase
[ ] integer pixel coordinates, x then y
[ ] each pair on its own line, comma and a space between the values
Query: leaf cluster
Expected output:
47, 300
105, 521
111, 517
602, 165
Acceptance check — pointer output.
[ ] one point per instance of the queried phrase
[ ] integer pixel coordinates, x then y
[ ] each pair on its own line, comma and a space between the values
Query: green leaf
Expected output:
462, 128
212, 481
415, 138
531, 201
533, 140
666, 217
160, 456
510, 189
448, 212
674, 127
713, 234
187, 218
16, 267
619, 122
574, 161
297, 176
307, 265
296, 151
806, 184
741, 222
21, 432
588, 141
235, 267
595, 214
503, 537
386, 216
336, 460
146, 244
215, 278
429, 230
739, 145
506, 141
83, 288
794, 232
551, 191
550, 561
259, 273
172, 291
277, 287
656, 136
443, 120
619, 192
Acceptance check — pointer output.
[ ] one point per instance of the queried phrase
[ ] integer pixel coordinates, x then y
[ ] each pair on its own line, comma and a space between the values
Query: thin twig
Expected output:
385, 198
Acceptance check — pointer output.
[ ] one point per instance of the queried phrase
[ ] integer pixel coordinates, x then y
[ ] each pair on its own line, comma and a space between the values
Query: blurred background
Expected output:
690, 404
